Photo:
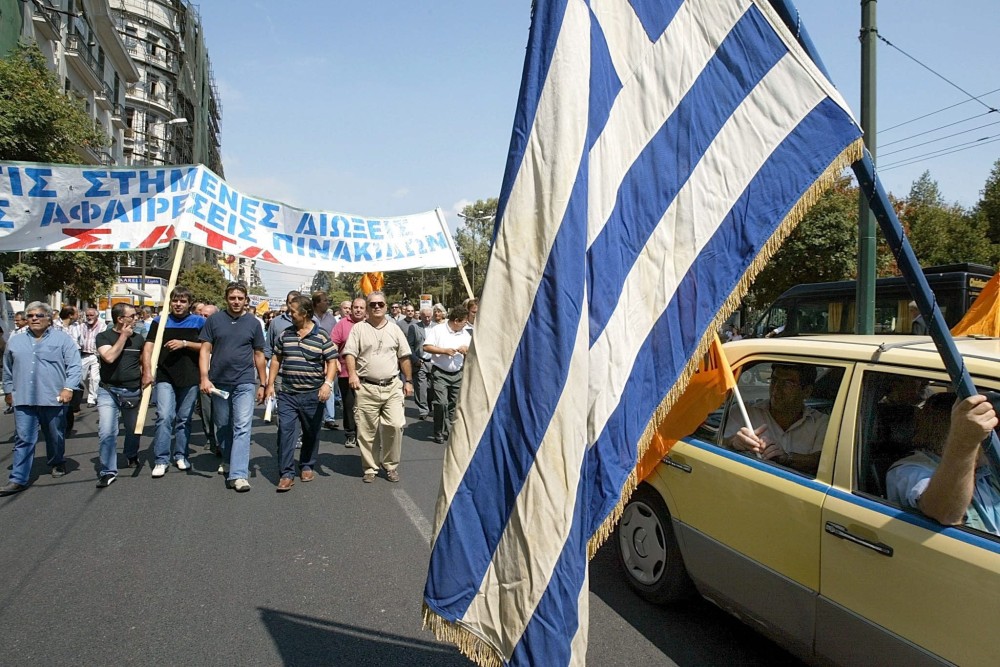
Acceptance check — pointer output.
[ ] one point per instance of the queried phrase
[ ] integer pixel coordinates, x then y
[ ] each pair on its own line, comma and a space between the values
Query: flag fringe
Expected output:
470, 645
848, 156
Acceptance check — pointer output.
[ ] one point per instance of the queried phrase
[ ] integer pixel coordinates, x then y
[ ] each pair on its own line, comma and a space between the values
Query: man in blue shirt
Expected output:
231, 360
40, 369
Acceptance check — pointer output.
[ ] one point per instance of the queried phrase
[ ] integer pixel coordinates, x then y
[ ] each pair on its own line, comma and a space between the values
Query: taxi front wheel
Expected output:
647, 549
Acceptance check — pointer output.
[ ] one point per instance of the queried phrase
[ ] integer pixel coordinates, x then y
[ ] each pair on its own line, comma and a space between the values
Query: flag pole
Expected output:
158, 341
454, 251
906, 259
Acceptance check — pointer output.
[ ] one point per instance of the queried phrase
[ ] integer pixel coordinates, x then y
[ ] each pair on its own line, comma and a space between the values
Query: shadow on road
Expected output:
306, 640
692, 633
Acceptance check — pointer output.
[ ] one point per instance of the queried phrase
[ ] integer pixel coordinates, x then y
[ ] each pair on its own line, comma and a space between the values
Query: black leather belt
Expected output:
378, 383
438, 369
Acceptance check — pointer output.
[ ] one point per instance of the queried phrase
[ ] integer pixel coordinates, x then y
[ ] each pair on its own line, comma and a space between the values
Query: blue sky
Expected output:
388, 107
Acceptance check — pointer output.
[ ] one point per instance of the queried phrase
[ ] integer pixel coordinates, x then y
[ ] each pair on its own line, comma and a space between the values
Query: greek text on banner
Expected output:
61, 207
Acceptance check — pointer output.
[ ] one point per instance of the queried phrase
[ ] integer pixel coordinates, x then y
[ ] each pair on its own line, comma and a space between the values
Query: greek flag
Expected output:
661, 151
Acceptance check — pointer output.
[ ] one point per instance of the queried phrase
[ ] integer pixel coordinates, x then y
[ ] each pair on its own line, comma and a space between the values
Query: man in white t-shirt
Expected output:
448, 344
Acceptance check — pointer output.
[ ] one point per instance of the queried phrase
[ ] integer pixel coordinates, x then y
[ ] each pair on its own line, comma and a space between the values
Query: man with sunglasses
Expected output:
40, 369
375, 352
356, 313
231, 365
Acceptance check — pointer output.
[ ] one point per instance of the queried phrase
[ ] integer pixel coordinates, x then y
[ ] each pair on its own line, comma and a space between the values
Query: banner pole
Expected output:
454, 251
154, 360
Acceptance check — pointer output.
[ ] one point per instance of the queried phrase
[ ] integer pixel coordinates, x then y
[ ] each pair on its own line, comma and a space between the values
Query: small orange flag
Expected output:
371, 282
705, 392
983, 317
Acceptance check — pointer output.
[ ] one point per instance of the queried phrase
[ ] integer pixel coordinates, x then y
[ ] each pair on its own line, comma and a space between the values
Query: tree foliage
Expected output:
80, 275
822, 248
475, 239
943, 233
988, 208
38, 123
206, 282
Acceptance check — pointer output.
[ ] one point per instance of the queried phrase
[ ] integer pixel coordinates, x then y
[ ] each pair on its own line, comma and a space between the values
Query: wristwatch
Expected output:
329, 383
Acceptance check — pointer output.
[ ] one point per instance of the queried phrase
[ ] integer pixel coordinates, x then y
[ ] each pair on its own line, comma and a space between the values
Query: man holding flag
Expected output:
661, 152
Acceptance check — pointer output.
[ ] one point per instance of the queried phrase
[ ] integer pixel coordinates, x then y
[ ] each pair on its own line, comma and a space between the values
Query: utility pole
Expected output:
865, 296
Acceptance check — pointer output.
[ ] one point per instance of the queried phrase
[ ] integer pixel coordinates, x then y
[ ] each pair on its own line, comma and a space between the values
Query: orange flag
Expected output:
705, 392
371, 282
983, 317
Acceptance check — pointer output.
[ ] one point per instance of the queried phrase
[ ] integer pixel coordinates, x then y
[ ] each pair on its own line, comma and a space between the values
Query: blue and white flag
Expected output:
661, 152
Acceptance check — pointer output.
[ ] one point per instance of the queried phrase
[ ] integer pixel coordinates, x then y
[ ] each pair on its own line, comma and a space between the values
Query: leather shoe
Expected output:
308, 475
11, 488
285, 484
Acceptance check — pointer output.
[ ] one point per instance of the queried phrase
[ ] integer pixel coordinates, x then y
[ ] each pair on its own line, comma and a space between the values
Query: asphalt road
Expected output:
182, 571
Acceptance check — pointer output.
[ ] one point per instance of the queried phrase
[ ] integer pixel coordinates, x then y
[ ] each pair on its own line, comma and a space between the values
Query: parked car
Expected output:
825, 564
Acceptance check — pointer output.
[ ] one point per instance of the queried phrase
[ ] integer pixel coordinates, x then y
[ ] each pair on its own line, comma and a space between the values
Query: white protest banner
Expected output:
61, 207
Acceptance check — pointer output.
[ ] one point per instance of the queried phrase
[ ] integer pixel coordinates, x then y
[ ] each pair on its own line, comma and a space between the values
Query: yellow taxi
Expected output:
820, 554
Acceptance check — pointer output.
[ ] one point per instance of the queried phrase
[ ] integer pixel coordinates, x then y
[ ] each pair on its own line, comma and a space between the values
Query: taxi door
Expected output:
895, 585
748, 529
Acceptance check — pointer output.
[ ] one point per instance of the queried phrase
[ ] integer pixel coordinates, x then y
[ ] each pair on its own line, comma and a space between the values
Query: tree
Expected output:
206, 282
80, 275
942, 233
822, 248
988, 207
38, 123
475, 239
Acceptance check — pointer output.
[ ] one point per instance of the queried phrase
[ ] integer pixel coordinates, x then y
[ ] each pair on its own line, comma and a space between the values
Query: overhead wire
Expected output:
933, 141
944, 151
933, 113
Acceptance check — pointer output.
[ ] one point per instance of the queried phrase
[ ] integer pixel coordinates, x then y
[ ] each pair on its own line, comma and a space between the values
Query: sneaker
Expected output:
298, 443
392, 475
133, 462
368, 478
351, 442
330, 424
10, 488
106, 480
159, 470
222, 469
439, 439
182, 464
241, 485
59, 470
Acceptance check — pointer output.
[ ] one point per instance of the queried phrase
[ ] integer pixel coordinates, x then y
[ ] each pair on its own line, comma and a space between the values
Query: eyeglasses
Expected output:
35, 316
377, 304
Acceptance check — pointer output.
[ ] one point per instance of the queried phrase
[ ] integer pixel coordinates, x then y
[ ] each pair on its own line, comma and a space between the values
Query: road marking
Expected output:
413, 512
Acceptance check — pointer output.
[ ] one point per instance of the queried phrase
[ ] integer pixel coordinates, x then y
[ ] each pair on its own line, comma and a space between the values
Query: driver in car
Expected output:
947, 478
785, 430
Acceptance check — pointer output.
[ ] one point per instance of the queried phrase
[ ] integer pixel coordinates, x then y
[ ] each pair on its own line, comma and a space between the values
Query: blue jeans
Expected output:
330, 408
232, 417
28, 419
108, 413
174, 408
294, 410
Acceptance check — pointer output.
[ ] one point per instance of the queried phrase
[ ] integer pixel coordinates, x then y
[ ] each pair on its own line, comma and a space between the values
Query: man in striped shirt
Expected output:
306, 360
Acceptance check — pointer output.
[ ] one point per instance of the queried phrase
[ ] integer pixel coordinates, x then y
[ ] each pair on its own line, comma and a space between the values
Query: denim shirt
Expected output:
37, 369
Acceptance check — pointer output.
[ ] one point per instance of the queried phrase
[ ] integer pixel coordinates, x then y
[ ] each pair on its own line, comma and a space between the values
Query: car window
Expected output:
902, 431
790, 404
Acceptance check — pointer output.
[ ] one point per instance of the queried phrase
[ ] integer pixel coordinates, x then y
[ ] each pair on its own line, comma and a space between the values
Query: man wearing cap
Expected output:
375, 353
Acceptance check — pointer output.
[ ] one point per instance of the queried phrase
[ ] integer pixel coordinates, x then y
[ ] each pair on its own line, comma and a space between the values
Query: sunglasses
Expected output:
35, 316
377, 304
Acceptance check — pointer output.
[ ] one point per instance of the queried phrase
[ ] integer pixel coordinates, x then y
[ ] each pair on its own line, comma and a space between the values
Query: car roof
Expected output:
981, 354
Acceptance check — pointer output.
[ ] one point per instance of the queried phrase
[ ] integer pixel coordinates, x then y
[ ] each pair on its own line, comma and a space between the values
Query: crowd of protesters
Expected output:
306, 359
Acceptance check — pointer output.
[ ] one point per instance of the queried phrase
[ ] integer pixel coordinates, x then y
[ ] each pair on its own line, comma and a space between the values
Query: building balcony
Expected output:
83, 61
105, 97
46, 20
118, 116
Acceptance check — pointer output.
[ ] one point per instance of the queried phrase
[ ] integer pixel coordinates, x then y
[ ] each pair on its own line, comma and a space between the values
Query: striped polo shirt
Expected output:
303, 360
